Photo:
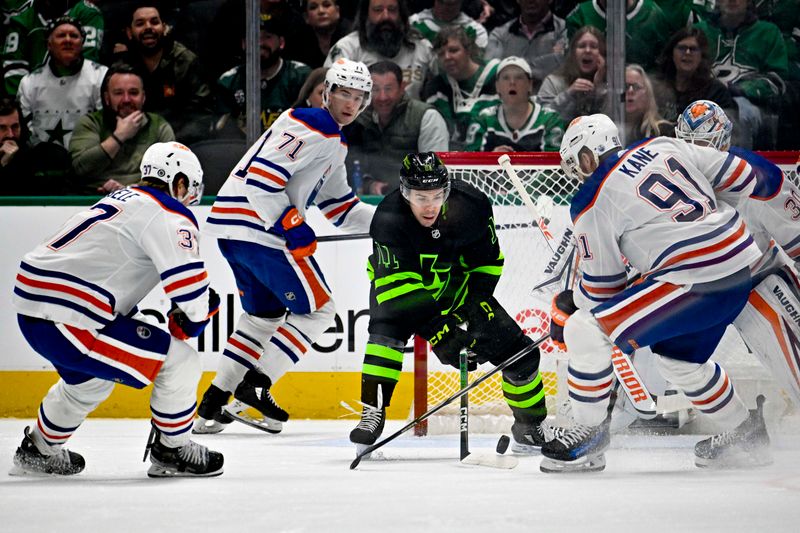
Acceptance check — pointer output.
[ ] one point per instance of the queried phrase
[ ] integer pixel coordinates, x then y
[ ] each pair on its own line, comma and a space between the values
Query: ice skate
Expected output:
35, 457
369, 428
253, 392
190, 460
528, 438
577, 449
747, 445
210, 416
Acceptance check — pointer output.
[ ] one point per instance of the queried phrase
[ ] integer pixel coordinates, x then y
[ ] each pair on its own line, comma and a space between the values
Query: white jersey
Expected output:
653, 205
298, 161
56, 103
415, 62
105, 259
772, 210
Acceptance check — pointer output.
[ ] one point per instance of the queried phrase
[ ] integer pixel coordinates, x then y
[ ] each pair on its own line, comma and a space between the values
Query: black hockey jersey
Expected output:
419, 273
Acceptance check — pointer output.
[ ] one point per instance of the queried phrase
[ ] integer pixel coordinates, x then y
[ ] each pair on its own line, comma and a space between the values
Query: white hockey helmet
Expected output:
705, 123
592, 134
165, 161
351, 74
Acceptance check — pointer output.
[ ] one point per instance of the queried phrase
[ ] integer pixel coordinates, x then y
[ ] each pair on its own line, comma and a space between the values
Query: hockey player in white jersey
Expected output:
259, 221
76, 296
652, 205
769, 323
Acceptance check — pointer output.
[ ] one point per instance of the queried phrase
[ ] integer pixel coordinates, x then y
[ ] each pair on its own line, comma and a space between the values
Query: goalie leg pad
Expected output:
770, 326
590, 371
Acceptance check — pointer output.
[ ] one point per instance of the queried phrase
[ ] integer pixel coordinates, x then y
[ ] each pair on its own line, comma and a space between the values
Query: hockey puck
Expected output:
502, 444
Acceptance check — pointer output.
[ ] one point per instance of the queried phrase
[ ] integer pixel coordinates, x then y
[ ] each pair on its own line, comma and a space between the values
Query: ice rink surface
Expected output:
300, 481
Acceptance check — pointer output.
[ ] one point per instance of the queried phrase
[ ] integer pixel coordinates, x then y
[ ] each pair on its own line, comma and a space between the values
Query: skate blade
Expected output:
740, 460
360, 448
595, 463
491, 460
518, 448
207, 427
17, 470
238, 411
158, 471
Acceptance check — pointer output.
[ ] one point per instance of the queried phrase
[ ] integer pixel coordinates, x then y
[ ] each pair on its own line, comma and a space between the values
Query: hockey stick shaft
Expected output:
359, 236
464, 411
450, 399
505, 163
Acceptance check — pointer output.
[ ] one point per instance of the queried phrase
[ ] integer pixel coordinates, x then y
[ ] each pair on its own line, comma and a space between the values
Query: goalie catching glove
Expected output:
563, 307
182, 328
300, 238
447, 340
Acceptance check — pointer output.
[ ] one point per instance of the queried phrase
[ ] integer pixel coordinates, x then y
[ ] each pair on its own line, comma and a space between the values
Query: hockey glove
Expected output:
300, 238
563, 307
182, 328
447, 340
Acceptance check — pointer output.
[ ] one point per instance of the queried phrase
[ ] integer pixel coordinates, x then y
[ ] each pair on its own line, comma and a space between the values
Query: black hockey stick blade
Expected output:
450, 399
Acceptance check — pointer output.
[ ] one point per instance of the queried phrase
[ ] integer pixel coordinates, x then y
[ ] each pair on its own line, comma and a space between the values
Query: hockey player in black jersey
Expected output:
436, 261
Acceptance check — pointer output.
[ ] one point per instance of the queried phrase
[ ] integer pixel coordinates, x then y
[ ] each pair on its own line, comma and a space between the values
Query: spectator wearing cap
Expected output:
537, 36
384, 34
26, 36
54, 96
281, 81
518, 123
107, 145
393, 126
174, 80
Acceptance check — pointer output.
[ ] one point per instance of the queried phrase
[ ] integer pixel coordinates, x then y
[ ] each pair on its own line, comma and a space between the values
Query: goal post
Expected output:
528, 259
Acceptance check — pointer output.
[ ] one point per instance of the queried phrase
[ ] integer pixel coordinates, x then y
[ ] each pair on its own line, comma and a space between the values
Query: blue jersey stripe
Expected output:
694, 240
68, 277
262, 186
58, 301
234, 222
197, 265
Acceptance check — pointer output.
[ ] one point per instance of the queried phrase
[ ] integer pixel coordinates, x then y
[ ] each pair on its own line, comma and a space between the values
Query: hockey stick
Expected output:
450, 399
629, 379
492, 460
358, 236
463, 375
345, 237
505, 163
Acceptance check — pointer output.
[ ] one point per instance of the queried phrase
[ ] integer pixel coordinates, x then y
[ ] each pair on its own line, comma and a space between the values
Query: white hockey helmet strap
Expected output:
165, 161
593, 134
705, 121
351, 74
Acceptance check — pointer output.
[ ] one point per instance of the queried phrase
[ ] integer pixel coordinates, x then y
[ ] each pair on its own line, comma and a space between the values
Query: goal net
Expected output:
530, 260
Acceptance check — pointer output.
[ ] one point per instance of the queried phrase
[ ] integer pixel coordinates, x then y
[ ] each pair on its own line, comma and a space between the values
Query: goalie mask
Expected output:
166, 161
423, 172
351, 74
594, 135
705, 123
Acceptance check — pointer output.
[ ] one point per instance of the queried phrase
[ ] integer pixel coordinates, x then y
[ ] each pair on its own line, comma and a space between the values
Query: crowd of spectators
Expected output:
88, 85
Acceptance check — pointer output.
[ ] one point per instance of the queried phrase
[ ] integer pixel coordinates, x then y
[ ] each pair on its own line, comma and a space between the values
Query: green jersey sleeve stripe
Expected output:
398, 291
492, 270
385, 280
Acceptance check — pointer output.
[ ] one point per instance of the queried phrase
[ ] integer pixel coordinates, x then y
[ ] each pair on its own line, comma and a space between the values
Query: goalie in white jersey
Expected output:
653, 205
76, 296
258, 218
769, 323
